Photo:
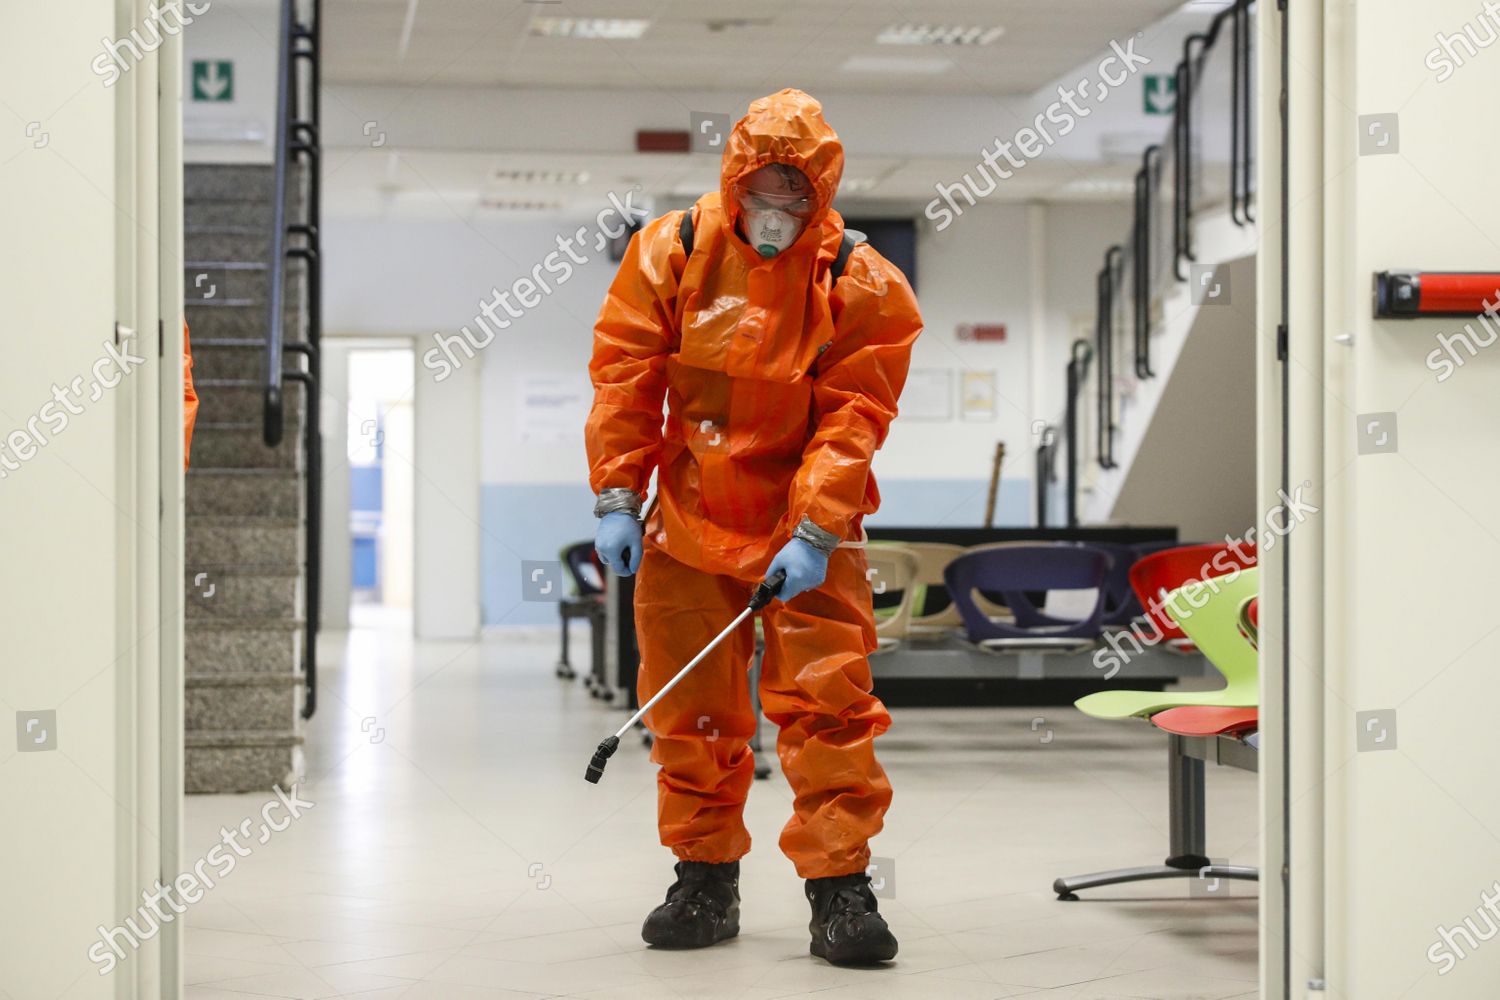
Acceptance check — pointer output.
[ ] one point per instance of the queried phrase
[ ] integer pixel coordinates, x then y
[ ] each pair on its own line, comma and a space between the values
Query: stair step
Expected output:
242, 761
250, 215
228, 182
241, 592
234, 281
244, 492
242, 446
222, 400
236, 353
247, 318
241, 702
213, 539
220, 232
262, 645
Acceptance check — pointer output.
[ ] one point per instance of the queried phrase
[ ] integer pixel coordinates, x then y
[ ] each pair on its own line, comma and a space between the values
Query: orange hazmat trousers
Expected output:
189, 397
778, 387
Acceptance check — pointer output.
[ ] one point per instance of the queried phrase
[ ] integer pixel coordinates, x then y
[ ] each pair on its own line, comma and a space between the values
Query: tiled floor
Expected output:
454, 852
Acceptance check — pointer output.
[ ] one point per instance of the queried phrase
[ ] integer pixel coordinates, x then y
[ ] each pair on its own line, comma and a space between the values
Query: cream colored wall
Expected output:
1410, 840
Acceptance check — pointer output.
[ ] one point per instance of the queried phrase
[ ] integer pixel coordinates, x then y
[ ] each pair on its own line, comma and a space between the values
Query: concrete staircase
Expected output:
244, 615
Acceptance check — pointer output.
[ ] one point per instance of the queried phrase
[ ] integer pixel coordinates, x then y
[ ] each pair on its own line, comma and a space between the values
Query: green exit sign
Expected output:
213, 80
1160, 93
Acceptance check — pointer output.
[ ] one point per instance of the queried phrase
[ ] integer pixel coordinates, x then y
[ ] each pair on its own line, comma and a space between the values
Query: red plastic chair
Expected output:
1250, 621
1160, 573
1207, 720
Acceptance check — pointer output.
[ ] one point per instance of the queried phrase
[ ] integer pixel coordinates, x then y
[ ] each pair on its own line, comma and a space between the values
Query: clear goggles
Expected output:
796, 205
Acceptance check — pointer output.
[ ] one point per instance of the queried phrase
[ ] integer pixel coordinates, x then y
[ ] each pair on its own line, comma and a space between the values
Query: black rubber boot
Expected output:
702, 907
847, 928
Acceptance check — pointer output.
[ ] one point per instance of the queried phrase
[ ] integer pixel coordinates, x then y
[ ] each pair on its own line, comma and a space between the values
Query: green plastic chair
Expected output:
1214, 629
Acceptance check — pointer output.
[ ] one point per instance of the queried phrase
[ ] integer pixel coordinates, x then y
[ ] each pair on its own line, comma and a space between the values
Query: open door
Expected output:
90, 495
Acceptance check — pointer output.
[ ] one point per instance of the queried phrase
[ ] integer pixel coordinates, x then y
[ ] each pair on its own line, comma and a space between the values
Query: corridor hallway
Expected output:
454, 852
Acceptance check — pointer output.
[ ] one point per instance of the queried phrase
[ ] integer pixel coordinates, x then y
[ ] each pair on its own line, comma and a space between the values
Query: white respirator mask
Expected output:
771, 230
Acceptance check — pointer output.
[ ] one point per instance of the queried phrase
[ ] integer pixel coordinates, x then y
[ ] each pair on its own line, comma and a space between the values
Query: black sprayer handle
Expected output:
768, 590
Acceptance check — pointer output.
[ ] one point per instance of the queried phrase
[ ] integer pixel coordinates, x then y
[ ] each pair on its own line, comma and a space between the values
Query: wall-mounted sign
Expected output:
928, 394
981, 331
552, 409
213, 80
977, 396
1160, 93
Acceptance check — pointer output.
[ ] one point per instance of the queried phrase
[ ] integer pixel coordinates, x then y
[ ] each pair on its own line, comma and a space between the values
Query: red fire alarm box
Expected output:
1419, 294
981, 331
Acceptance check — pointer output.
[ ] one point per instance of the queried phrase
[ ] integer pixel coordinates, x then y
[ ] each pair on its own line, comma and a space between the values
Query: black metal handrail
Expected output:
1046, 472
1195, 49
297, 142
1241, 143
1104, 333
1182, 151
1078, 366
1146, 181
274, 408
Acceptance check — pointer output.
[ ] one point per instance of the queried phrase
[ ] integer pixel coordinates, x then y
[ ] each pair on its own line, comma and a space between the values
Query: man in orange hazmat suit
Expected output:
779, 349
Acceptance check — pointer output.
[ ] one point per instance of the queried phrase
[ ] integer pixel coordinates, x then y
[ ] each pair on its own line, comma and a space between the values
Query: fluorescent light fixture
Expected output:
1118, 186
856, 185
549, 177
896, 65
937, 34
495, 204
615, 29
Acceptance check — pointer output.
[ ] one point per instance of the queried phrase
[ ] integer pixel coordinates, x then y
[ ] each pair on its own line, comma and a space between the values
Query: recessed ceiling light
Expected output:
856, 185
504, 176
937, 34
896, 65
607, 28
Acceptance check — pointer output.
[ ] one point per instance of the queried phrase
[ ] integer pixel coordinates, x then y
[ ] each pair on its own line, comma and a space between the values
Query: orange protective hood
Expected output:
786, 127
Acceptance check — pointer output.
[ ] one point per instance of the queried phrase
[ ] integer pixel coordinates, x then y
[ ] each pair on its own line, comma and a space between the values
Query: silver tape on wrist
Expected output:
823, 541
618, 500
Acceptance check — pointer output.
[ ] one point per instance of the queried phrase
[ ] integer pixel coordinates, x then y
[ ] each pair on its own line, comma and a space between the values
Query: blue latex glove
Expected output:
805, 568
618, 542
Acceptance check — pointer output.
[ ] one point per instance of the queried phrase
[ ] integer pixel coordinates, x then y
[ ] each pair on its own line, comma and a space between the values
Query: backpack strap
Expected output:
851, 240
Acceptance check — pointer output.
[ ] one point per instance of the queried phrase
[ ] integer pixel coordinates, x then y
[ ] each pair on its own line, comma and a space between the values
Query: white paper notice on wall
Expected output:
928, 394
978, 396
551, 409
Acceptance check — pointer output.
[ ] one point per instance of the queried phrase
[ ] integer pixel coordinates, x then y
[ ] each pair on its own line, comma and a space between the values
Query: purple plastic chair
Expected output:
1017, 569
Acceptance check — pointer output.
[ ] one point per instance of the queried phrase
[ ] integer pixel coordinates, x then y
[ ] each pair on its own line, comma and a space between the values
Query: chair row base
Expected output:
1066, 888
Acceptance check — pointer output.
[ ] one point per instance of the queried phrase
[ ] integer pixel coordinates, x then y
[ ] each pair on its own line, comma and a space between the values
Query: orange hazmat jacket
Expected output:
778, 386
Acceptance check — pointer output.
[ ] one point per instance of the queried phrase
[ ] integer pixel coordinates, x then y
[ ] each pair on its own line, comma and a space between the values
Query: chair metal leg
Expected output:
762, 766
596, 644
564, 668
1185, 808
1186, 835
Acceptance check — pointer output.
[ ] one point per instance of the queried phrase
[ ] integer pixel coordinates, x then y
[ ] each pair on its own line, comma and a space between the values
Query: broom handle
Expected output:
989, 509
